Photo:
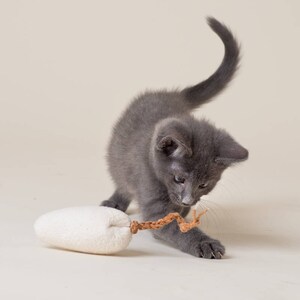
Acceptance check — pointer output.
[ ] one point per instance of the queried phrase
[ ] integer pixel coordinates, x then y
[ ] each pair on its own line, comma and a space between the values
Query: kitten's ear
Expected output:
229, 151
173, 147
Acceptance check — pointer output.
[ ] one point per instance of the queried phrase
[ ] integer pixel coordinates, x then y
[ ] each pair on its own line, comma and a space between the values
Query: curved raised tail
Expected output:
205, 90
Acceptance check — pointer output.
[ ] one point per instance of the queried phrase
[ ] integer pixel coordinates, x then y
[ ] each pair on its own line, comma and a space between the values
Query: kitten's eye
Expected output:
179, 179
203, 185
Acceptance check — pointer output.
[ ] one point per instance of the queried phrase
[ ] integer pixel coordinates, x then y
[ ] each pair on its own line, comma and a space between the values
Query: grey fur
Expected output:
162, 156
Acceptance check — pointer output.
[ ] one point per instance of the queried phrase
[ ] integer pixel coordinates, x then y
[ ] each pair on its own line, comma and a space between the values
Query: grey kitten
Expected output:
162, 156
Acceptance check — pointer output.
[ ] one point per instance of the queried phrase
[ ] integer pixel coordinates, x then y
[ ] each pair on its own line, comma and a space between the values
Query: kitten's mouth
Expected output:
186, 205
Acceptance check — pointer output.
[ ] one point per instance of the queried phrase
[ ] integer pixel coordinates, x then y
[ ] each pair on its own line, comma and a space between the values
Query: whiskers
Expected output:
218, 214
211, 219
233, 186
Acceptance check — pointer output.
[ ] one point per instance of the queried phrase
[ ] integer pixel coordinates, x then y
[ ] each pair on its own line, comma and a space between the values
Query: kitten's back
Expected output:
132, 133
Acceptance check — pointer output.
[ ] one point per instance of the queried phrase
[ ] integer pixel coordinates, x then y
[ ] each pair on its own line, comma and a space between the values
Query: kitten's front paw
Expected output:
209, 248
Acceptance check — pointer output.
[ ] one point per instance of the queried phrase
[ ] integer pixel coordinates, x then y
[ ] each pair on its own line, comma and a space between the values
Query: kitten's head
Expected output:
189, 157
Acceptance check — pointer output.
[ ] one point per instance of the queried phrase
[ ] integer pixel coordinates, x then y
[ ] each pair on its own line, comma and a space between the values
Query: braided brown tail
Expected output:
184, 226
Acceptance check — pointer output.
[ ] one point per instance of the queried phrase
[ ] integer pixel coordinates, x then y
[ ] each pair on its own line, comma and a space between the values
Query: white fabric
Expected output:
90, 229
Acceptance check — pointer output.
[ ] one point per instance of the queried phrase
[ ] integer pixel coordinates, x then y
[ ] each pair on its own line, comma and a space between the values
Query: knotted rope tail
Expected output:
184, 226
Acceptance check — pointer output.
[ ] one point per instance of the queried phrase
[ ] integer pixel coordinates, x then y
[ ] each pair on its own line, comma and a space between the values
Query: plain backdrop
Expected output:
67, 71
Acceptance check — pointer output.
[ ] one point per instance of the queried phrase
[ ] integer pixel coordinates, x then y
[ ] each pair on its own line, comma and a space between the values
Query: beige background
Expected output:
67, 71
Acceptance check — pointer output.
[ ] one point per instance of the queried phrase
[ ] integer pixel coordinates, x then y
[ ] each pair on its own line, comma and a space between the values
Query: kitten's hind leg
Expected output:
118, 201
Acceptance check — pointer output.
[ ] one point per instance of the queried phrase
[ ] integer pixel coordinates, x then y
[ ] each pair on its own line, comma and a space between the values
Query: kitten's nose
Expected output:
187, 200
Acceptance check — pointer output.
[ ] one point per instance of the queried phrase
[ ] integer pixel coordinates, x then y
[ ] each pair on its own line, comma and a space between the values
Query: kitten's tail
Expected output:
205, 90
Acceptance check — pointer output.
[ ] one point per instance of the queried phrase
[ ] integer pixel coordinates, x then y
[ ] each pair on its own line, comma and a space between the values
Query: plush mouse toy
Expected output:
98, 229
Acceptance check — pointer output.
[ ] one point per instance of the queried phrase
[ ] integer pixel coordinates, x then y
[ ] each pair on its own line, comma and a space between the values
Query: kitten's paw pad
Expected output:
113, 204
210, 248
